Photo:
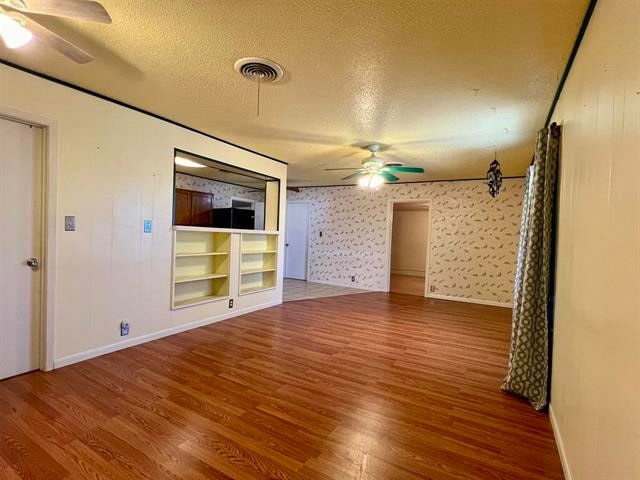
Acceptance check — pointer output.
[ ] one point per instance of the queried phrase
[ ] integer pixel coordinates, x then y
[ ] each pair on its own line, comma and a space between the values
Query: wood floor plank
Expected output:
368, 386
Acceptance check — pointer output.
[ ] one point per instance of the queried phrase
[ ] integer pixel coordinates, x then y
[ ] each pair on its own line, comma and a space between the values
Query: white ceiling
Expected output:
440, 81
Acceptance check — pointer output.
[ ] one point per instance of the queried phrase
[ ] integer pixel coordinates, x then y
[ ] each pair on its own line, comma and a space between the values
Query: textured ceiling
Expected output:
441, 82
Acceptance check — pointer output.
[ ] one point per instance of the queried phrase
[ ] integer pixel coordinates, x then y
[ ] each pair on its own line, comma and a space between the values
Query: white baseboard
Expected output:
560, 445
470, 300
346, 285
131, 342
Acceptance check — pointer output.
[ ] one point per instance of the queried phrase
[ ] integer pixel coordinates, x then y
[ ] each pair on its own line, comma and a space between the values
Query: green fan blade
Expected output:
353, 175
388, 177
404, 169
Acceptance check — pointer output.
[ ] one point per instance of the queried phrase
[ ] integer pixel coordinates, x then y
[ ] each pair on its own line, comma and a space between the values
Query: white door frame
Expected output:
284, 270
387, 264
49, 211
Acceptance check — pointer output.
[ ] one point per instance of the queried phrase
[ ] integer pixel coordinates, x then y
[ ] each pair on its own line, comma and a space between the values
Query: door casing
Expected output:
49, 211
308, 237
387, 266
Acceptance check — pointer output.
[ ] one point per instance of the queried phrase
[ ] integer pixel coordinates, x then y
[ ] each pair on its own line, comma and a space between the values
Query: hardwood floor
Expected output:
370, 386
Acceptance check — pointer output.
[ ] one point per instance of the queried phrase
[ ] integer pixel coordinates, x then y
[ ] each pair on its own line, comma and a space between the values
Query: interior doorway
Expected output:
297, 240
409, 249
21, 237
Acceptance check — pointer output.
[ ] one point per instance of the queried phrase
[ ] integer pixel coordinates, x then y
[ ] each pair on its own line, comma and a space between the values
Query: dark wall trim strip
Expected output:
131, 107
572, 56
403, 183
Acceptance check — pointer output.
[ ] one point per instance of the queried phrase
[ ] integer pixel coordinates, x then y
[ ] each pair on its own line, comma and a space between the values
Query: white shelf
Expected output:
179, 228
197, 301
203, 254
196, 278
256, 289
257, 270
200, 267
203, 258
258, 263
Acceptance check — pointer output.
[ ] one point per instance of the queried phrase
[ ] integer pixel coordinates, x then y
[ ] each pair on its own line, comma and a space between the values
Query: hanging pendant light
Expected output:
494, 176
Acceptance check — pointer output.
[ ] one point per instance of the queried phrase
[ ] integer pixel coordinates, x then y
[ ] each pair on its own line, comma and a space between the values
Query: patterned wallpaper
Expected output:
222, 192
474, 237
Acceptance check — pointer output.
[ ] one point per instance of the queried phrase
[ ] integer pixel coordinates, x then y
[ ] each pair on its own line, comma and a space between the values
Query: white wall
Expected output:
113, 167
595, 395
474, 237
409, 240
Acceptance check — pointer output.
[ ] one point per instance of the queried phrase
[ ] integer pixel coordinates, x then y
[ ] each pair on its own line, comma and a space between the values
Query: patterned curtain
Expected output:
529, 360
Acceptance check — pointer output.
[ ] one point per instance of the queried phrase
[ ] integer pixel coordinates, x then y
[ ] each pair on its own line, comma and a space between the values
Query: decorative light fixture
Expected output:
494, 176
185, 162
371, 180
13, 33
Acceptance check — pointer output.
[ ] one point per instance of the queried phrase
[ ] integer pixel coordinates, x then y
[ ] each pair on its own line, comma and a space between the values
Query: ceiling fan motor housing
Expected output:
372, 162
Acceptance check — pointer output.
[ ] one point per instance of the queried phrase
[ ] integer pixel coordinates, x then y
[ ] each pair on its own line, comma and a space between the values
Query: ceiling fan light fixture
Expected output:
185, 162
13, 33
371, 180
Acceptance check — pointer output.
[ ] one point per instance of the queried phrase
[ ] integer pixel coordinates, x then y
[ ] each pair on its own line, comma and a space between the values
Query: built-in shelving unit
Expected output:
258, 263
201, 267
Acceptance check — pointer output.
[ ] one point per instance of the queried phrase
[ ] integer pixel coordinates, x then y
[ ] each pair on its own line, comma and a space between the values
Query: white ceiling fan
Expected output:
374, 171
17, 27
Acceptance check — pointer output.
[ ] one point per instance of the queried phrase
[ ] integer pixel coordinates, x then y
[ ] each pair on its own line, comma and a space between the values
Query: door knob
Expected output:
33, 263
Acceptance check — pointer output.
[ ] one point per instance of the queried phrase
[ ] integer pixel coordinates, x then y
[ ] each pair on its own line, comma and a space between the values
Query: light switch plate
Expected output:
70, 223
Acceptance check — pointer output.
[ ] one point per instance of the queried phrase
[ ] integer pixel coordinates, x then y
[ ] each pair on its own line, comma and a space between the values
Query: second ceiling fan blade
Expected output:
81, 9
388, 177
353, 175
404, 169
54, 40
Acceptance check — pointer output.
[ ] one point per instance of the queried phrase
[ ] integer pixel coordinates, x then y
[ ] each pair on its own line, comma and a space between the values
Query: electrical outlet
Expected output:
124, 328
69, 223
320, 234
432, 288
353, 278
231, 303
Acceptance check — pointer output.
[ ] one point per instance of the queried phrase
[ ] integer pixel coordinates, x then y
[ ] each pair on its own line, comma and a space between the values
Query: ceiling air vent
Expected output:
259, 69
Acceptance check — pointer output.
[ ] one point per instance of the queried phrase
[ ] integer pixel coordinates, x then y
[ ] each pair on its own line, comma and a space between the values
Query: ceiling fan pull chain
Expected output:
258, 106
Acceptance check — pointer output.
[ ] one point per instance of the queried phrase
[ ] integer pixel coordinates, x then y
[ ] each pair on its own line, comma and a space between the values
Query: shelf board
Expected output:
203, 254
257, 270
197, 301
202, 276
253, 252
260, 288
180, 228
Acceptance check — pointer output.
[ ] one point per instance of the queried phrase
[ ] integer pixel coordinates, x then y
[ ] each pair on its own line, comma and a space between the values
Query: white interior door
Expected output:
297, 240
20, 241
